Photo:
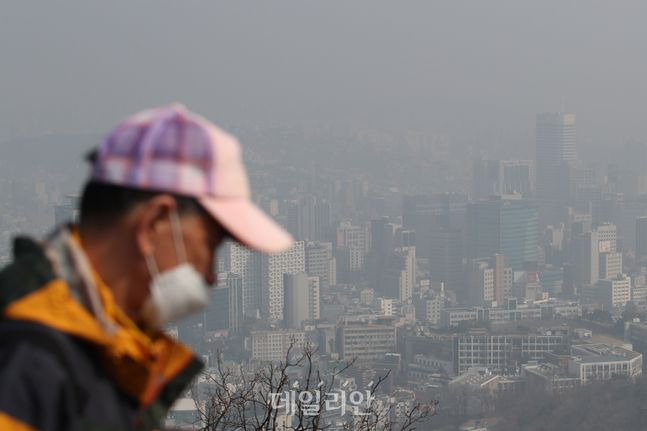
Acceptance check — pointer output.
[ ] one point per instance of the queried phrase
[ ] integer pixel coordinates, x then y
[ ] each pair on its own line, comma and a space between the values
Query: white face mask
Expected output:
176, 292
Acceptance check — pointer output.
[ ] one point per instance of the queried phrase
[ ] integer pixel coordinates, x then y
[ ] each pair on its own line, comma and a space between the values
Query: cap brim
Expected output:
248, 224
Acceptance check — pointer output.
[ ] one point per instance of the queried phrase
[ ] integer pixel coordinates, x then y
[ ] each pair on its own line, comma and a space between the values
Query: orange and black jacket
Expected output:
63, 366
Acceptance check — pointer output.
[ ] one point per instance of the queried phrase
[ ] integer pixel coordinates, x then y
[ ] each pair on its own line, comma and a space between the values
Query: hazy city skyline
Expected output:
466, 184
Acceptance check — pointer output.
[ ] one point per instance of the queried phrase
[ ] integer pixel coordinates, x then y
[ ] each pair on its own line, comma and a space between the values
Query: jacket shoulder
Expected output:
35, 388
29, 270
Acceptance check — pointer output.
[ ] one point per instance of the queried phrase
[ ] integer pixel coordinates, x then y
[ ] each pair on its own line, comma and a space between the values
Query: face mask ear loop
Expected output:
152, 266
176, 226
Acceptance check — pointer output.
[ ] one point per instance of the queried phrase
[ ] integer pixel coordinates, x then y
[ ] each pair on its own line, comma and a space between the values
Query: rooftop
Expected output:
602, 353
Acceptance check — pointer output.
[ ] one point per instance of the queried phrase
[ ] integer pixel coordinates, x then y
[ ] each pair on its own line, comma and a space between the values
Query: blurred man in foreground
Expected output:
81, 346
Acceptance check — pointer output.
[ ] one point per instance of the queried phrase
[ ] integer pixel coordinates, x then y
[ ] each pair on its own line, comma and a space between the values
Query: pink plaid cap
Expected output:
173, 150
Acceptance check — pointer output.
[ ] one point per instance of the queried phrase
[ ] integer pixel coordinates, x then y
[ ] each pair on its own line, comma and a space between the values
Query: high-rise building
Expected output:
502, 177
314, 298
433, 307
555, 149
480, 282
608, 238
507, 227
405, 240
216, 316
353, 236
586, 259
632, 178
383, 236
446, 258
382, 245
610, 265
301, 299
273, 267
641, 238
503, 278
587, 198
225, 309
309, 219
357, 240
240, 260
615, 292
400, 275
296, 295
418, 213
488, 280
321, 263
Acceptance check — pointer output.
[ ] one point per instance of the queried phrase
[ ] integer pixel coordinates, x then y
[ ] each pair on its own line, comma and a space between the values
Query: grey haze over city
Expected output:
459, 66
466, 182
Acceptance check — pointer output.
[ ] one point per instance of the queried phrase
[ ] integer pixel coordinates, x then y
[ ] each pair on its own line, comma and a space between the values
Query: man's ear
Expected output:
150, 219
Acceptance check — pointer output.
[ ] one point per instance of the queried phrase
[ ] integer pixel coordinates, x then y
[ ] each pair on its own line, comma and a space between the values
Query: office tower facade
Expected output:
405, 237
366, 296
418, 213
382, 245
586, 259
216, 316
382, 235
273, 267
274, 345
320, 262
400, 275
614, 293
610, 265
355, 238
246, 263
366, 341
309, 219
452, 210
641, 238
587, 198
446, 257
225, 309
384, 306
499, 352
405, 241
295, 308
555, 150
433, 307
301, 299
488, 280
507, 227
503, 278
480, 282
314, 298
608, 238
502, 177
632, 178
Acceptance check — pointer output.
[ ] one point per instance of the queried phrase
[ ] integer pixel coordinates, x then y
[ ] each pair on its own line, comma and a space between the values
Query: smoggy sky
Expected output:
460, 66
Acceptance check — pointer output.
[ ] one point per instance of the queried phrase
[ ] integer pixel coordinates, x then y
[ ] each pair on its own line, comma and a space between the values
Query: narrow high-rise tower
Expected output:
555, 152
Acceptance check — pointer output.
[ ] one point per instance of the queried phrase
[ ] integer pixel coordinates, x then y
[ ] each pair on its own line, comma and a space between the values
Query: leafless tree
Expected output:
245, 398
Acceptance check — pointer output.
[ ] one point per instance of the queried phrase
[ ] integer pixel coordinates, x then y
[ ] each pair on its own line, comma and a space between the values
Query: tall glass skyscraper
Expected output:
555, 151
507, 227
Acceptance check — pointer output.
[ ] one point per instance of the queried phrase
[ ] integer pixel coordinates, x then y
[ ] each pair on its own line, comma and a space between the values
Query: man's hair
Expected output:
103, 203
